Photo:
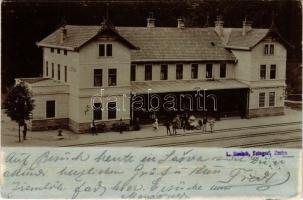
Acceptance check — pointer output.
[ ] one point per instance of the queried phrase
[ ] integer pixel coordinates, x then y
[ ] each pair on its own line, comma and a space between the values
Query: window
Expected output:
261, 99
65, 52
46, 68
97, 77
179, 71
133, 72
58, 51
59, 72
52, 50
108, 49
194, 71
50, 109
163, 72
271, 49
222, 70
112, 77
53, 70
101, 50
111, 110
266, 49
97, 114
209, 70
271, 99
262, 71
148, 72
272, 74
65, 73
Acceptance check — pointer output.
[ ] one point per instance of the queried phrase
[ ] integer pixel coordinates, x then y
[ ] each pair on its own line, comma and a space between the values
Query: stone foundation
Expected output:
262, 112
48, 124
85, 127
73, 126
53, 124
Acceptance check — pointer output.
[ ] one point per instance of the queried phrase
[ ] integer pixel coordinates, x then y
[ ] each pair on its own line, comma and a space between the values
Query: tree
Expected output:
19, 104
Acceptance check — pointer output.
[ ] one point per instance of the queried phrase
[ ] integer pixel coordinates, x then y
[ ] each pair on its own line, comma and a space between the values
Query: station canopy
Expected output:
185, 86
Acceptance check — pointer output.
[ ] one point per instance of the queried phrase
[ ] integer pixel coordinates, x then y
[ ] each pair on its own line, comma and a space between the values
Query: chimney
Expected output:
180, 23
219, 26
151, 20
63, 34
246, 27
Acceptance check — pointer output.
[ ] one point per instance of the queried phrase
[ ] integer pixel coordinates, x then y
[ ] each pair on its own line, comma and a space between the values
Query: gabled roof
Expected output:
238, 41
247, 41
77, 37
163, 43
158, 43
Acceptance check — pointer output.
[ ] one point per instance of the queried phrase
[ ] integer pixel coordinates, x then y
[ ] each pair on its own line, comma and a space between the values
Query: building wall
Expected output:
262, 112
122, 103
61, 105
247, 68
243, 67
259, 58
254, 97
156, 68
71, 60
76, 109
248, 71
81, 78
90, 60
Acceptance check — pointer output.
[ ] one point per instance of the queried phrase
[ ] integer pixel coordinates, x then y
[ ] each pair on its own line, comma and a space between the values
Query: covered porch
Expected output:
166, 99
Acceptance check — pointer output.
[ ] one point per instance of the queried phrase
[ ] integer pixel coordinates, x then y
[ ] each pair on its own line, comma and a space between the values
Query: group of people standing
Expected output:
186, 122
120, 126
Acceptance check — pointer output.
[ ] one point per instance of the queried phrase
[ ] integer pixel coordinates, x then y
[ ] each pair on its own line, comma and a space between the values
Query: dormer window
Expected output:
269, 49
105, 50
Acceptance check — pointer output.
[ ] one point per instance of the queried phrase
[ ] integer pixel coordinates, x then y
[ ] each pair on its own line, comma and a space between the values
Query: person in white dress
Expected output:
156, 125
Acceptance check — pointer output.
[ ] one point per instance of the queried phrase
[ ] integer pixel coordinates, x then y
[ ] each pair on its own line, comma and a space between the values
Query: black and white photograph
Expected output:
201, 74
151, 73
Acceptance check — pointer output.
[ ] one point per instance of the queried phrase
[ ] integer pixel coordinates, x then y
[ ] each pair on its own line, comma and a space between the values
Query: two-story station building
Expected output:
86, 68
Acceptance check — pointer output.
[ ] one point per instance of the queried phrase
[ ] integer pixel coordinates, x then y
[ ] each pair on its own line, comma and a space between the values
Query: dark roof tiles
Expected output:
164, 43
249, 40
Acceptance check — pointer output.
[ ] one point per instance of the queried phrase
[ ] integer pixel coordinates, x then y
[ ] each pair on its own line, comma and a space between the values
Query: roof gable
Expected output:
108, 29
252, 38
176, 44
239, 41
77, 37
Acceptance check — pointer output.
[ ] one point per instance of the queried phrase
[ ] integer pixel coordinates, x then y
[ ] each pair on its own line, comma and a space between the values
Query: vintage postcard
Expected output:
185, 99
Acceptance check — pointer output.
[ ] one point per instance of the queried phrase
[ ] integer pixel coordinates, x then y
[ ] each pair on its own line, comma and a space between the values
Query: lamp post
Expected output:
204, 99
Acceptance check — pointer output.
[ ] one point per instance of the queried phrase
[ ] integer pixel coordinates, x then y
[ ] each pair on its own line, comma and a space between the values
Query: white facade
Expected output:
248, 71
73, 88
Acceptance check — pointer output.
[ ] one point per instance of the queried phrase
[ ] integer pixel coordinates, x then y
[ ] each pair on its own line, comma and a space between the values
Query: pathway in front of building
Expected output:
276, 131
